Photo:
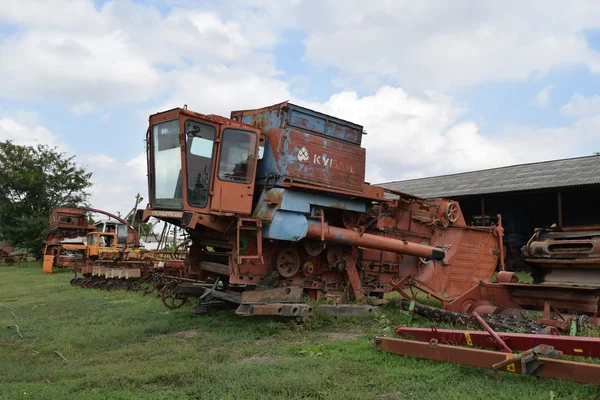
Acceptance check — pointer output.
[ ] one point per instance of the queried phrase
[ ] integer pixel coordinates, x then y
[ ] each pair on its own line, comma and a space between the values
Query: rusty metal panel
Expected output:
325, 125
584, 299
291, 294
289, 115
215, 268
312, 159
48, 263
474, 261
69, 218
471, 257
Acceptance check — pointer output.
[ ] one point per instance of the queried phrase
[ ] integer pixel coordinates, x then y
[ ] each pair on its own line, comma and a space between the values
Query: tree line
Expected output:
33, 180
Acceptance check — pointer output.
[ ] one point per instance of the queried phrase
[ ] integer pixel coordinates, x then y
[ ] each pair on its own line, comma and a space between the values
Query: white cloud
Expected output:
219, 89
82, 71
411, 137
137, 166
102, 160
446, 44
116, 54
25, 134
580, 105
124, 51
542, 98
218, 58
82, 108
116, 183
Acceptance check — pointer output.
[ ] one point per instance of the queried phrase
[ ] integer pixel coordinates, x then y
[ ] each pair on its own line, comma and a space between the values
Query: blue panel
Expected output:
284, 211
322, 124
300, 118
286, 226
302, 201
266, 120
308, 122
267, 165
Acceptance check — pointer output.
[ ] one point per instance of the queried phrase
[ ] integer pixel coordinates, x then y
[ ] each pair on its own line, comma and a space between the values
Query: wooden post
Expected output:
482, 212
559, 203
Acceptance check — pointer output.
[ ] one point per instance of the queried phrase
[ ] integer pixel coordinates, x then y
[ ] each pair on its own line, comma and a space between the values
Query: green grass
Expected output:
123, 345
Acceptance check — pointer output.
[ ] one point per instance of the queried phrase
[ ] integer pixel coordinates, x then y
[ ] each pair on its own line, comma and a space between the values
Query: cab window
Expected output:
236, 162
199, 142
92, 240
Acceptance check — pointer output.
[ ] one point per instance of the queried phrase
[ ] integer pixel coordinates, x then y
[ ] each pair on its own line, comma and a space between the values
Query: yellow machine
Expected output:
98, 241
66, 255
65, 250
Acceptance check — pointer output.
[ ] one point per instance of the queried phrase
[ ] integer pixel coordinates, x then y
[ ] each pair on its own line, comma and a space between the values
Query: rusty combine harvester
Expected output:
98, 258
278, 213
62, 250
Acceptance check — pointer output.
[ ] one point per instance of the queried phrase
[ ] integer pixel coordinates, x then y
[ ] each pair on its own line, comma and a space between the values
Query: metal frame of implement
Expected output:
531, 362
568, 345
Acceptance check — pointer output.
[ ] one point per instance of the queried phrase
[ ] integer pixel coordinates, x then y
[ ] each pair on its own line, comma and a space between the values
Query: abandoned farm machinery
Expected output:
279, 218
104, 259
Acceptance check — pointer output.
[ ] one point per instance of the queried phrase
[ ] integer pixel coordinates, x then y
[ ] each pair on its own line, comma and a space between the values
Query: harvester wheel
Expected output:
452, 212
308, 268
77, 281
287, 263
303, 319
313, 247
335, 255
351, 219
170, 299
109, 286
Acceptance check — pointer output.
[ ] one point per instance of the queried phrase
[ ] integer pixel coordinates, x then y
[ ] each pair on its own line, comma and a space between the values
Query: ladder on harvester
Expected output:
248, 224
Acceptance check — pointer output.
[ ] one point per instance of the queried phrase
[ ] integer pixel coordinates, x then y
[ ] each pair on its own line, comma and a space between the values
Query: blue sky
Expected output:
441, 86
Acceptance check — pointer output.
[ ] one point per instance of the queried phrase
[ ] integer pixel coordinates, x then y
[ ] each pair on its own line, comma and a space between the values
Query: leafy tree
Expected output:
170, 247
91, 220
33, 180
145, 228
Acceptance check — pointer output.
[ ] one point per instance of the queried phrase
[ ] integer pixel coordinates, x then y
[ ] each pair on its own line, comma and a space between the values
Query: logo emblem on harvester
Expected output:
302, 155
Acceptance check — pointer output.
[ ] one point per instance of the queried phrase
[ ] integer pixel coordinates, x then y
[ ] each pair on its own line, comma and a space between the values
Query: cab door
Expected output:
235, 173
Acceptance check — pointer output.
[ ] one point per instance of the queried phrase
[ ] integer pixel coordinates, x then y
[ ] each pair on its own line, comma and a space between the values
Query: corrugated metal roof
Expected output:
515, 178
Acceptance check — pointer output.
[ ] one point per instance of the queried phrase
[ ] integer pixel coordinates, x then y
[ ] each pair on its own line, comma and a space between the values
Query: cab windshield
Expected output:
167, 165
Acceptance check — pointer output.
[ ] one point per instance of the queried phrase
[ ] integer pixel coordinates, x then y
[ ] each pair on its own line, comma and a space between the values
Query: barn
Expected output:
565, 192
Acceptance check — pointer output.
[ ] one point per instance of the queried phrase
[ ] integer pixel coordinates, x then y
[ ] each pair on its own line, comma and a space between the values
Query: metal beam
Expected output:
546, 367
569, 345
